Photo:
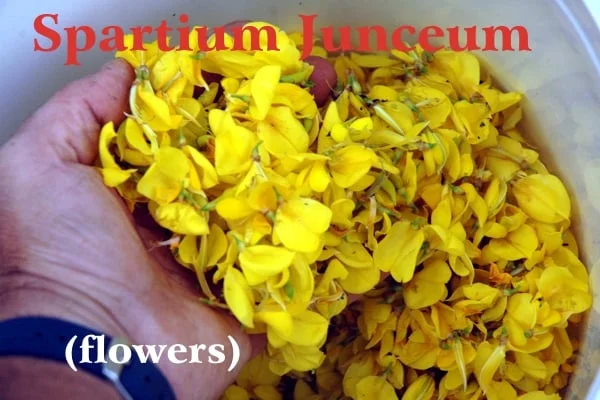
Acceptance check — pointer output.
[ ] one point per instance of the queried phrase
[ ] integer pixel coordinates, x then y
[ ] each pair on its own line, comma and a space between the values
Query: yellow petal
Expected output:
421, 389
309, 329
354, 255
233, 150
113, 174
232, 208
263, 261
489, 358
234, 392
375, 388
217, 245
206, 171
239, 297
563, 292
263, 90
398, 251
180, 218
155, 110
532, 366
360, 280
300, 224
349, 164
319, 177
279, 323
135, 136
188, 249
428, 286
435, 106
162, 182
360, 368
115, 177
256, 372
543, 197
282, 133
302, 358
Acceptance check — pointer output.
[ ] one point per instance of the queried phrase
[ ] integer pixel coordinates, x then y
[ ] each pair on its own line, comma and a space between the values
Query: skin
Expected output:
70, 249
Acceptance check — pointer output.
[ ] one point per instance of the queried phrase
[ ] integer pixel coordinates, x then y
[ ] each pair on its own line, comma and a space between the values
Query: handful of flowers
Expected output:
401, 177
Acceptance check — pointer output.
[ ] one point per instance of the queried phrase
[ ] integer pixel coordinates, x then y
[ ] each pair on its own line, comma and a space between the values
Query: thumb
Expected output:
67, 126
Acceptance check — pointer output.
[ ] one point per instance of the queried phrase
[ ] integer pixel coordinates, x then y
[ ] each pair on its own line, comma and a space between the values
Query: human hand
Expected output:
70, 249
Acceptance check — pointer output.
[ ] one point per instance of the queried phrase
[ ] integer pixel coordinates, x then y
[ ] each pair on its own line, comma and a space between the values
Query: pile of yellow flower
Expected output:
411, 187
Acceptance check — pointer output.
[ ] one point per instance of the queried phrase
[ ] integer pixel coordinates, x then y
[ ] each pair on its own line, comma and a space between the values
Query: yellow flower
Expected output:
163, 181
563, 292
501, 390
234, 392
428, 286
300, 224
239, 297
359, 280
520, 322
374, 314
361, 367
415, 167
460, 68
136, 58
435, 158
398, 252
112, 173
303, 391
307, 328
543, 197
202, 173
423, 388
351, 163
256, 376
422, 349
133, 144
281, 133
376, 388
474, 120
298, 358
450, 238
263, 90
180, 218
490, 357
518, 244
261, 262
531, 366
154, 110
244, 64
432, 104
233, 150
499, 101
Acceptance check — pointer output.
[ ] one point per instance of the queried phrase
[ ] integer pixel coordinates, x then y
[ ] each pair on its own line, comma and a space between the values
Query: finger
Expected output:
258, 343
67, 125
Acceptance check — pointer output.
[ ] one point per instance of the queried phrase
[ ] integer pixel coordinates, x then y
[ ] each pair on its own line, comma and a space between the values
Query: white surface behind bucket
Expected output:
594, 9
560, 78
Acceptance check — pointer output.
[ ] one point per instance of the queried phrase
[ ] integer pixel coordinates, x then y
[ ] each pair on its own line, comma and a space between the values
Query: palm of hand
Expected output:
65, 233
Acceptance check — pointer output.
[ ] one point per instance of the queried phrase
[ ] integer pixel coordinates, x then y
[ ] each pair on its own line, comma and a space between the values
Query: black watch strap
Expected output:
50, 338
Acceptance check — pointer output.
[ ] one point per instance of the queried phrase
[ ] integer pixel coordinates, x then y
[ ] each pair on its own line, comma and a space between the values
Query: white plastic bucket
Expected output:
560, 78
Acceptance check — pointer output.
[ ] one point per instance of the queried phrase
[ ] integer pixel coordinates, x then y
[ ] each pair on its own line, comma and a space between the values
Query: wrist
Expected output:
54, 339
24, 294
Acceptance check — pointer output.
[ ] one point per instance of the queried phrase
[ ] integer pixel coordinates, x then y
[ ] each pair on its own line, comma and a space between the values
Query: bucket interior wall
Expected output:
559, 77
